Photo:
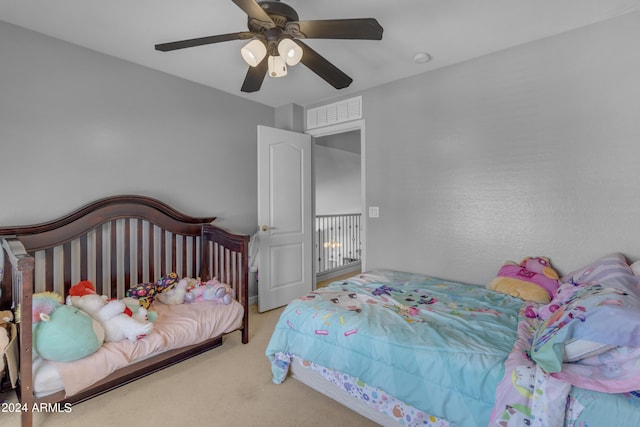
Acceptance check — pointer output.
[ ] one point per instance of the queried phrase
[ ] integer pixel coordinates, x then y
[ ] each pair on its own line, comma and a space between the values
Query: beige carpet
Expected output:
227, 386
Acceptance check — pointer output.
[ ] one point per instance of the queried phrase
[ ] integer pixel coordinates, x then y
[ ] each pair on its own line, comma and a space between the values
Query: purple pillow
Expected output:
611, 271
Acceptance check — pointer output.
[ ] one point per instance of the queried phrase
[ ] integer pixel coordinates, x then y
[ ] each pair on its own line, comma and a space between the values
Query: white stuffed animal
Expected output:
113, 316
4, 342
175, 295
6, 317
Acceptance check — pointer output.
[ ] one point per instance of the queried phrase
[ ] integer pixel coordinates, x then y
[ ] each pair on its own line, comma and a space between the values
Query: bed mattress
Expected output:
176, 326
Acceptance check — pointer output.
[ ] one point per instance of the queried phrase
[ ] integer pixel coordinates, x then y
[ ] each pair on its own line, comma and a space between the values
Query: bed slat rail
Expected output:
115, 256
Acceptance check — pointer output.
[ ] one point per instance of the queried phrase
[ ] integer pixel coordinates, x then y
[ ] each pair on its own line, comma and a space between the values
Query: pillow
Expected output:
602, 313
615, 371
575, 349
635, 268
67, 334
611, 270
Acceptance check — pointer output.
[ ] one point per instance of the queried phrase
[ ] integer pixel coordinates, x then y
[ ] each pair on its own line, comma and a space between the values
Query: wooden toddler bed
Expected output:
119, 242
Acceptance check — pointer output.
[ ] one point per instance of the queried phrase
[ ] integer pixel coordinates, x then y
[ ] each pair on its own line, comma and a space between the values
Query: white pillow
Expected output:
575, 349
635, 267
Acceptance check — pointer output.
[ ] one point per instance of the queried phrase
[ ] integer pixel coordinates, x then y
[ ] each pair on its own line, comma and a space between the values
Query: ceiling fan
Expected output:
275, 32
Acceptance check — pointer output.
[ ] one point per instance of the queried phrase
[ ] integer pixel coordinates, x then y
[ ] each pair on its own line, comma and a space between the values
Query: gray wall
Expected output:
533, 150
530, 151
76, 125
337, 181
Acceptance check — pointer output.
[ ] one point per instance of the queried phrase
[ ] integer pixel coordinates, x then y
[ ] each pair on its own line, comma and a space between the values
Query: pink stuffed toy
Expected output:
531, 280
213, 290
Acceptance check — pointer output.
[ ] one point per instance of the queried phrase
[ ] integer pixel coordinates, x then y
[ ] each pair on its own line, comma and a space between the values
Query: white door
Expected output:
285, 269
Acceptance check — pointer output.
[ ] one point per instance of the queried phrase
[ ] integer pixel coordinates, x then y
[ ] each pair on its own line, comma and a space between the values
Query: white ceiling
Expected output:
451, 31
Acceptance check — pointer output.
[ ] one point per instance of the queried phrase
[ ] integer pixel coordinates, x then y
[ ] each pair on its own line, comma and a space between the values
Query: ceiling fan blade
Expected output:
255, 76
323, 68
360, 28
255, 13
165, 47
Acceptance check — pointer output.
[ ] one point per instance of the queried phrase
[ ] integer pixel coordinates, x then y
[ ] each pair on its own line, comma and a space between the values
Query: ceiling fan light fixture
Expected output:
253, 52
290, 51
277, 66
273, 42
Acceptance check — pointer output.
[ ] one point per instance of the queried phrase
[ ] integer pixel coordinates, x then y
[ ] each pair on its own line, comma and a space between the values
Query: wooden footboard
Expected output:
116, 243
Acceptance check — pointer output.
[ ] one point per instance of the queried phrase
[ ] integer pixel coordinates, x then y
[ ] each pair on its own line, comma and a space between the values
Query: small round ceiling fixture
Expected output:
421, 58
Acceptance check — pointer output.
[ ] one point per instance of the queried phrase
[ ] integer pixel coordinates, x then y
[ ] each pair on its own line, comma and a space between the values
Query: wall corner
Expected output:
290, 117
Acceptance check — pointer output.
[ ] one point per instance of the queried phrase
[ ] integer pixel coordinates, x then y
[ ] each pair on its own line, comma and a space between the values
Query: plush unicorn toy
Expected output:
213, 290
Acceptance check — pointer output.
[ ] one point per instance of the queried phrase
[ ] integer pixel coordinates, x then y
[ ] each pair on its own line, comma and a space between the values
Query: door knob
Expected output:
264, 228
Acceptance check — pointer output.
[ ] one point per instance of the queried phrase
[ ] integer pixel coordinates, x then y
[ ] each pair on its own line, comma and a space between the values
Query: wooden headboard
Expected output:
118, 242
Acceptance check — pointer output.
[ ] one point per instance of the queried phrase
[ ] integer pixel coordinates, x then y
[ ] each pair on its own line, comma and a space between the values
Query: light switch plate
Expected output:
374, 212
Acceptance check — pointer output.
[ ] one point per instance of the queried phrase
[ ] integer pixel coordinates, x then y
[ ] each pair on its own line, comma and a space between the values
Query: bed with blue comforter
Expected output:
423, 350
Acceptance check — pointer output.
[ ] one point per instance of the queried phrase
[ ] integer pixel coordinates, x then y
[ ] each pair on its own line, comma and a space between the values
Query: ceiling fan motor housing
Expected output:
279, 13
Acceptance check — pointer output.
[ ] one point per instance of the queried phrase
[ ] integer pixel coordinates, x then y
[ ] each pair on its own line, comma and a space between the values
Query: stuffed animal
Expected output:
167, 283
195, 294
139, 312
82, 288
531, 280
194, 291
193, 282
114, 316
6, 317
219, 292
63, 333
175, 295
213, 290
145, 293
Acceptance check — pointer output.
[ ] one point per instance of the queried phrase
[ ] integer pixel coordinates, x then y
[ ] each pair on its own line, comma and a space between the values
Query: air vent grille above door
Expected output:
337, 112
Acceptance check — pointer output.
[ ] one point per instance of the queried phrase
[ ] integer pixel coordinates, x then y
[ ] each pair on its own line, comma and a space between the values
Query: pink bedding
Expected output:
176, 326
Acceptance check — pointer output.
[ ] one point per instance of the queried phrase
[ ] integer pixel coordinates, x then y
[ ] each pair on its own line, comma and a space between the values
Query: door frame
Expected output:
334, 130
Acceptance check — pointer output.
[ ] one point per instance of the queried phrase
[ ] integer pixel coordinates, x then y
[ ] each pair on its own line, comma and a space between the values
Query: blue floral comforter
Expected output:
428, 351
438, 346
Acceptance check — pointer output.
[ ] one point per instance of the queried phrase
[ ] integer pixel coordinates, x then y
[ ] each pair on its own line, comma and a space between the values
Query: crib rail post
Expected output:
229, 262
22, 271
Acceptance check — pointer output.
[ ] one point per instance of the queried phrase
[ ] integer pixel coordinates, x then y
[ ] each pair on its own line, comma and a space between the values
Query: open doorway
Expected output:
339, 202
